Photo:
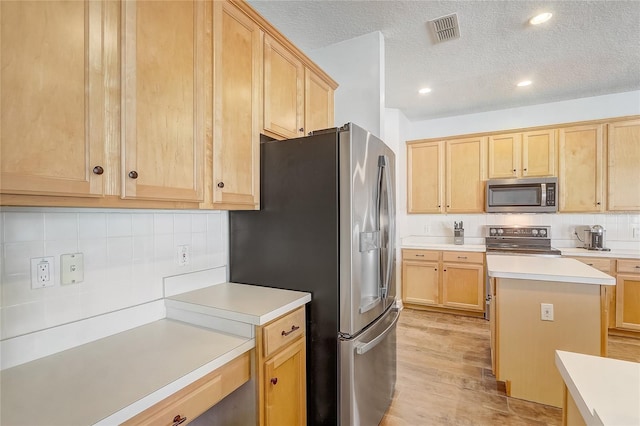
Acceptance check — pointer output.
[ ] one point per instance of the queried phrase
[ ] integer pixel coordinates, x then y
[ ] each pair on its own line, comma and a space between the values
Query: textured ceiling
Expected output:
588, 48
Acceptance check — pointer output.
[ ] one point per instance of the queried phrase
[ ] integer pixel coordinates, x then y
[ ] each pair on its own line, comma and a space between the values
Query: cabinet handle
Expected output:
220, 184
274, 380
448, 206
301, 129
637, 266
133, 174
439, 206
445, 270
435, 269
462, 257
514, 171
598, 203
293, 328
419, 255
525, 170
177, 420
590, 264
98, 170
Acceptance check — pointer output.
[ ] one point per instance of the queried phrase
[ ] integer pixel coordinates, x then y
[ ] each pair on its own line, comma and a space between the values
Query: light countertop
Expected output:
445, 247
613, 253
110, 380
545, 269
606, 391
240, 302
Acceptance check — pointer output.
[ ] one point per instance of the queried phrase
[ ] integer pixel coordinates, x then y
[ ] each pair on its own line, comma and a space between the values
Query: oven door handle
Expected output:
363, 348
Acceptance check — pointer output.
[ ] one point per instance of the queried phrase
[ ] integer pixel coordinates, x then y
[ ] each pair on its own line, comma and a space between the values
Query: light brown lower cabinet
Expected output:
281, 370
449, 280
606, 265
198, 397
628, 295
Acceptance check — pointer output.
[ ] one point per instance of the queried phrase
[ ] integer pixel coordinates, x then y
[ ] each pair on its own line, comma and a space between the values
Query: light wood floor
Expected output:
444, 375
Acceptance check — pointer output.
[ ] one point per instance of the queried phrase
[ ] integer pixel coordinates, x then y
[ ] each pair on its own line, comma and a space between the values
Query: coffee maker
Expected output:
594, 238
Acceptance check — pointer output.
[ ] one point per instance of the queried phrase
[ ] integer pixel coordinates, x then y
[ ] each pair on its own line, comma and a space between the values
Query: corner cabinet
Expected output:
53, 79
281, 365
528, 154
624, 173
581, 168
233, 173
444, 281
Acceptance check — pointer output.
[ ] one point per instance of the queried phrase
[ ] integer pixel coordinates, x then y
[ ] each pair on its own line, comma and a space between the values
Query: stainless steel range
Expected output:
514, 239
517, 240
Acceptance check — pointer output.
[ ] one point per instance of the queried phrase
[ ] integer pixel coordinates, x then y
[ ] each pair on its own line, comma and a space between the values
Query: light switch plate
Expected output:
72, 268
546, 311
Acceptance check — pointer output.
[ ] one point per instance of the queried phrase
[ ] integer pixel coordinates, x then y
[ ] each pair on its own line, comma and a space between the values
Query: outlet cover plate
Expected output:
42, 272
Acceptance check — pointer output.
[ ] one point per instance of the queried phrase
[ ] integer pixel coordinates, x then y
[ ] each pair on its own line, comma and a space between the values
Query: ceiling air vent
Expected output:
445, 28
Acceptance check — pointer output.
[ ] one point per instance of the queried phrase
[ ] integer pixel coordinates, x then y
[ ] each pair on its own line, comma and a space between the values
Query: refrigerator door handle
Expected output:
363, 348
383, 162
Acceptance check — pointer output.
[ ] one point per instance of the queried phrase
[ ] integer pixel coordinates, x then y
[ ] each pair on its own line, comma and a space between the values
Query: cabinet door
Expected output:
237, 97
285, 387
420, 283
538, 153
163, 109
581, 167
463, 286
465, 175
624, 158
52, 112
628, 302
318, 103
504, 156
425, 168
283, 90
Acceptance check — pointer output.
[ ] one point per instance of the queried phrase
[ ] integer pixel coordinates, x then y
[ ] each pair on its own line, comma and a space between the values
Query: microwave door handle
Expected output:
543, 187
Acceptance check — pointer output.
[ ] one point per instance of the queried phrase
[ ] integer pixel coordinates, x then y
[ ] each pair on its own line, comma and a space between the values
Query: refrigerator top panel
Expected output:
367, 223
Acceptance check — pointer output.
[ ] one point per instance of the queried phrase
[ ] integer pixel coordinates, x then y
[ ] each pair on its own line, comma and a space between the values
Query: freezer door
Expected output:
368, 372
367, 227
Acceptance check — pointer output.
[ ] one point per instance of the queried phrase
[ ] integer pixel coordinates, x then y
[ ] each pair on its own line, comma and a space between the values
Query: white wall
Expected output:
358, 67
593, 108
126, 256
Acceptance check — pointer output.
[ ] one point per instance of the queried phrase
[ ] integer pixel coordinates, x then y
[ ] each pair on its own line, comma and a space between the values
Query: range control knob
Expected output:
500, 231
543, 232
492, 231
534, 232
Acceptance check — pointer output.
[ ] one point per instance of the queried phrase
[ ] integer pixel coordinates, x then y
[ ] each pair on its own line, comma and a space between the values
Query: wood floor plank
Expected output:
445, 378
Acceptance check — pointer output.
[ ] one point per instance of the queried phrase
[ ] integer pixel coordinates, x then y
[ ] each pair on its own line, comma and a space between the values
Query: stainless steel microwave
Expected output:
531, 195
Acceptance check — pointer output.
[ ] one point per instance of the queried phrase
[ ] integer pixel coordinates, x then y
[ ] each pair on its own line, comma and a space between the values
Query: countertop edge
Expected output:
166, 391
584, 409
556, 278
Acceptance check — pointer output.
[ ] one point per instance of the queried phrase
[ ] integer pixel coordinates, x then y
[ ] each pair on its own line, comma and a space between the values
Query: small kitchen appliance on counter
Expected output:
594, 238
458, 233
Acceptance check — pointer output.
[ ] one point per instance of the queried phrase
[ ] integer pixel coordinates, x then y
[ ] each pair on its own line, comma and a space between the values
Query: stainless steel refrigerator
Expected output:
327, 226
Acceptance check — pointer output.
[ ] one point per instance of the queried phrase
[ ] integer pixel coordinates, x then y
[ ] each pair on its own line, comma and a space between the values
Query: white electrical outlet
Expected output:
72, 266
546, 311
42, 272
183, 255
427, 229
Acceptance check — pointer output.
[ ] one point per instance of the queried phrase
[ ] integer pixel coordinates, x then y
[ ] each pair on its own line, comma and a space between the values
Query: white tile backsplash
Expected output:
127, 254
440, 227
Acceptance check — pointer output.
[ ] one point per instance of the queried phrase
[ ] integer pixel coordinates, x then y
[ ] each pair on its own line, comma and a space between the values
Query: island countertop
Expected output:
606, 391
545, 269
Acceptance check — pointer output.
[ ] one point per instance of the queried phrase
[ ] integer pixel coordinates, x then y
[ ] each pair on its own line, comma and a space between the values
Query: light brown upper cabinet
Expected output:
53, 84
233, 181
283, 91
446, 176
163, 99
425, 177
581, 168
527, 154
318, 102
624, 166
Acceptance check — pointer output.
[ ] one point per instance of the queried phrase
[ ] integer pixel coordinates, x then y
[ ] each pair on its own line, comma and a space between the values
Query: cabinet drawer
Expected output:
283, 331
198, 397
603, 265
629, 266
463, 257
408, 254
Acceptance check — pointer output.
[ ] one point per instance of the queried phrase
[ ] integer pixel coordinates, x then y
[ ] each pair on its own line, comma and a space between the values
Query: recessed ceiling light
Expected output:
524, 83
424, 90
539, 19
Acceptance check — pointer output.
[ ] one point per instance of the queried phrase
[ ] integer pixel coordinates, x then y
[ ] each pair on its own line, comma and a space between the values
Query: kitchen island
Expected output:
539, 305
